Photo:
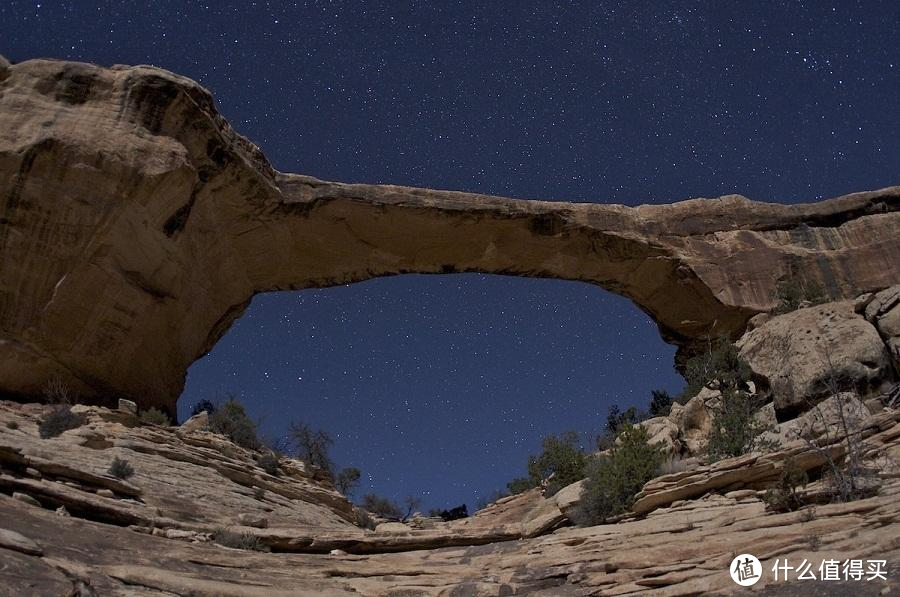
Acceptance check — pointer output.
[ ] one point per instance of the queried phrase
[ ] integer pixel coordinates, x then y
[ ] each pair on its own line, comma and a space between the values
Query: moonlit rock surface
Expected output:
137, 225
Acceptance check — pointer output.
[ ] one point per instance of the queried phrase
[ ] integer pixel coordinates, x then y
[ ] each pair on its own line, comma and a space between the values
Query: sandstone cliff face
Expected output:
136, 226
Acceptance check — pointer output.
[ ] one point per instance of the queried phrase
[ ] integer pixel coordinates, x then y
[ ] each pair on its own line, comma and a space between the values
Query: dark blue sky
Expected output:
440, 386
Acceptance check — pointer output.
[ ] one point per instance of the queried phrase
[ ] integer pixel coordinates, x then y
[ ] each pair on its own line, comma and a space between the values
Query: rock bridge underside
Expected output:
136, 226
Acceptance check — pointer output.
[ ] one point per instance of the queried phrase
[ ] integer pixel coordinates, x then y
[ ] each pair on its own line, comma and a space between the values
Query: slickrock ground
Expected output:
136, 225
150, 535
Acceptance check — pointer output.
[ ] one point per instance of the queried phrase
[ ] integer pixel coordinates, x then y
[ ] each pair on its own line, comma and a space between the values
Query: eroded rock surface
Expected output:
152, 534
136, 226
883, 311
815, 352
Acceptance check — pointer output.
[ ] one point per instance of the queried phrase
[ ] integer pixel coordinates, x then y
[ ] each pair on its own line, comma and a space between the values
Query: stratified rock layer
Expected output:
152, 534
136, 226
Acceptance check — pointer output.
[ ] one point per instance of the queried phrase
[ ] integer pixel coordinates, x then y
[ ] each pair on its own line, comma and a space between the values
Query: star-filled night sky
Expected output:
440, 386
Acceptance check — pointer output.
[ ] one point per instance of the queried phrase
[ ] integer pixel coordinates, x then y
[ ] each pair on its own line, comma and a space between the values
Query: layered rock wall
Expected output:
136, 226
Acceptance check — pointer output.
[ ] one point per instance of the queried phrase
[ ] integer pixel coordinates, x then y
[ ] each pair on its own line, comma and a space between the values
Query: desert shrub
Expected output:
56, 392
660, 403
347, 480
12, 425
616, 418
560, 463
794, 292
312, 445
363, 520
231, 420
457, 513
155, 416
847, 477
203, 406
718, 367
605, 441
120, 468
721, 365
59, 420
246, 541
381, 506
783, 497
674, 464
734, 430
259, 493
613, 479
268, 462
520, 485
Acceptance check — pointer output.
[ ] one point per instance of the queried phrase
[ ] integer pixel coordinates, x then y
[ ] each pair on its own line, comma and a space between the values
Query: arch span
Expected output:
137, 225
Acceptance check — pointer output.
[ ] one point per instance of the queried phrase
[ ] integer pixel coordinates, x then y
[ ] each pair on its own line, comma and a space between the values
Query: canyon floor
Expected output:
68, 527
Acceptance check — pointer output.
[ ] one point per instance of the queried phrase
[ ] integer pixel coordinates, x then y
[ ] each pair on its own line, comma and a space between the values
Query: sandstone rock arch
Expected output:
137, 225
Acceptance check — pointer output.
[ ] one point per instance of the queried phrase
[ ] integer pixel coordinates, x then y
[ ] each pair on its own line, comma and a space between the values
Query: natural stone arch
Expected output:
137, 225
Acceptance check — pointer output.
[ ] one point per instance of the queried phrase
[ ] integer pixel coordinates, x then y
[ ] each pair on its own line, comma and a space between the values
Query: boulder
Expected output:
809, 354
883, 311
568, 498
199, 422
18, 542
253, 520
694, 419
827, 418
665, 432
128, 406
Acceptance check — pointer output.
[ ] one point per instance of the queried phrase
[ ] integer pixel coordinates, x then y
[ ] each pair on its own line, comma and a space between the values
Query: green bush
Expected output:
59, 420
615, 478
562, 458
784, 497
120, 468
660, 403
231, 420
616, 418
246, 541
720, 366
269, 463
793, 292
154, 416
561, 461
734, 430
520, 485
